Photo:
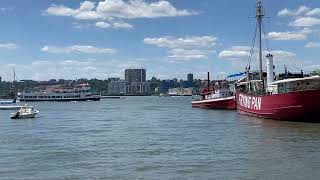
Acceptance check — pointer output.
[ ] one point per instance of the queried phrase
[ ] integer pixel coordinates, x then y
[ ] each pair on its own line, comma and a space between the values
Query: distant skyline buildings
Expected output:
135, 83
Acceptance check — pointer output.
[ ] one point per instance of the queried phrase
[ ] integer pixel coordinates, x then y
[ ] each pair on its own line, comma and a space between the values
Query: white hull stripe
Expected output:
213, 100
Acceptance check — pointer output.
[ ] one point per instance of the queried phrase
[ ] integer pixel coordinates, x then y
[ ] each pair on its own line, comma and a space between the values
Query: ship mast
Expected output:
208, 85
259, 16
14, 74
14, 82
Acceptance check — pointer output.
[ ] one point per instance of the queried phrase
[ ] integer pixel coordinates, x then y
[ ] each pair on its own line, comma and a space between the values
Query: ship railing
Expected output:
197, 97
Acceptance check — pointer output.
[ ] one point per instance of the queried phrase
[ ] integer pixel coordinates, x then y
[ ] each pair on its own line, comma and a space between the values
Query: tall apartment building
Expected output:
135, 75
190, 77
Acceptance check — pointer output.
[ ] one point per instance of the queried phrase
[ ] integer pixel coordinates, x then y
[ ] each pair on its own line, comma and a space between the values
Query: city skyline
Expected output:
99, 39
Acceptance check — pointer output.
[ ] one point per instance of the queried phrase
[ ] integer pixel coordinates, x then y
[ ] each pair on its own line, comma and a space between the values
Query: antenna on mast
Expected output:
14, 84
259, 16
14, 74
208, 85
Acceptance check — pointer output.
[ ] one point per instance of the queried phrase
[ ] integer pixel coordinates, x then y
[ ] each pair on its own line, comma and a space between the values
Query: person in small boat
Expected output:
16, 115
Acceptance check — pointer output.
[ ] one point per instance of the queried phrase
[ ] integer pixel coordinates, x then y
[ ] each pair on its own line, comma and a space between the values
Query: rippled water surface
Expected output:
154, 138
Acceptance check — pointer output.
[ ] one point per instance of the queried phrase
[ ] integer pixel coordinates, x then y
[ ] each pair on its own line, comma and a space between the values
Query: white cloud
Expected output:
77, 49
304, 16
139, 9
122, 25
281, 55
313, 12
241, 48
295, 12
5, 10
75, 63
85, 11
243, 52
312, 45
119, 9
290, 35
78, 25
187, 48
87, 6
65, 69
235, 52
188, 42
187, 54
305, 22
8, 46
59, 10
114, 11
41, 63
103, 25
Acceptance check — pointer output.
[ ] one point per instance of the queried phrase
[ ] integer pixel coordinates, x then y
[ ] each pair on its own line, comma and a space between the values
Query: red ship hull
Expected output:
292, 106
220, 103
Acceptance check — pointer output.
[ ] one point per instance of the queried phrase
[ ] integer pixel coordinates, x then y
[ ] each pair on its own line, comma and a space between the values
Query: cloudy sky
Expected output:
99, 39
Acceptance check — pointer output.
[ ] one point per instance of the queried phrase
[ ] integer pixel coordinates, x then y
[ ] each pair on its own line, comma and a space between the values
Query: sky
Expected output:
74, 39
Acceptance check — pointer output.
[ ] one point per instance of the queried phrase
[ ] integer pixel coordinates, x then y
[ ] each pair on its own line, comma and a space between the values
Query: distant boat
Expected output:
25, 112
81, 92
217, 96
164, 95
180, 92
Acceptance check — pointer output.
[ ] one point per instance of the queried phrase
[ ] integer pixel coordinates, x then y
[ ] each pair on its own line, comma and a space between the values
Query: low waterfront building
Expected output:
180, 91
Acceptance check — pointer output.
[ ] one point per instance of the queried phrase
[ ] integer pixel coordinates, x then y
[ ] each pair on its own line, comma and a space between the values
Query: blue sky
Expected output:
99, 39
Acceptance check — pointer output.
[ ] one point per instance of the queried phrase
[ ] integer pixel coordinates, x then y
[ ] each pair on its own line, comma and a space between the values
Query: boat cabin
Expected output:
26, 109
218, 90
293, 85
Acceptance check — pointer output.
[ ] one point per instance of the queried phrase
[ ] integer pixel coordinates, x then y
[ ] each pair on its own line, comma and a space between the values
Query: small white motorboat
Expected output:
25, 112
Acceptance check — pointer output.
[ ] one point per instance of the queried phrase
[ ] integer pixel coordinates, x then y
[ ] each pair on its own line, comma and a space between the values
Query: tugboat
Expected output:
294, 99
217, 96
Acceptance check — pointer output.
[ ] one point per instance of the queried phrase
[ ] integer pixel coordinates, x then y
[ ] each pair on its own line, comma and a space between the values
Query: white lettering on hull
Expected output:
249, 102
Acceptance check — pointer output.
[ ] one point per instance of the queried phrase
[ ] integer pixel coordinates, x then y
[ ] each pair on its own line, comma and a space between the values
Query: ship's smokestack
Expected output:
270, 69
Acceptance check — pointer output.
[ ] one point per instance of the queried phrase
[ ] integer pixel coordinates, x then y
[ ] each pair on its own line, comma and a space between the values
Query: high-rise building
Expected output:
116, 87
190, 77
135, 75
189, 82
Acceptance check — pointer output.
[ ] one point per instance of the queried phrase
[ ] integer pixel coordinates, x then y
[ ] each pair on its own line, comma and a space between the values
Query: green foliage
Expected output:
316, 72
99, 86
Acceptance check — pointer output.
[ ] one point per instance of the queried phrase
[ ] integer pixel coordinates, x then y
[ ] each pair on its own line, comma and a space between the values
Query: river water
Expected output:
154, 138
